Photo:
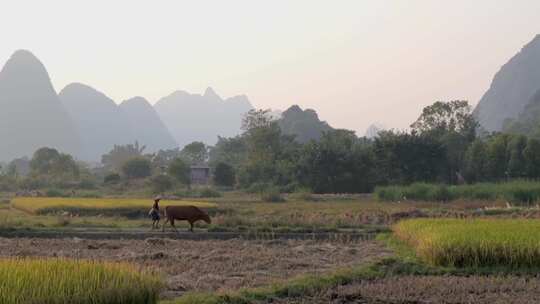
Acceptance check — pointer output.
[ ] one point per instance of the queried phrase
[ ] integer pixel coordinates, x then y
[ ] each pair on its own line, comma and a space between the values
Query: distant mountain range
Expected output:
512, 88
373, 130
146, 125
99, 121
528, 121
31, 114
84, 122
304, 125
195, 117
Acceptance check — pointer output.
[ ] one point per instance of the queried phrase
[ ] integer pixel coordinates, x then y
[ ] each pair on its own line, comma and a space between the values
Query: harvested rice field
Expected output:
430, 289
212, 265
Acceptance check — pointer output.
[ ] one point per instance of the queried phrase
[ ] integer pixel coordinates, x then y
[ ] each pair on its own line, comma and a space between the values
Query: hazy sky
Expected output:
356, 62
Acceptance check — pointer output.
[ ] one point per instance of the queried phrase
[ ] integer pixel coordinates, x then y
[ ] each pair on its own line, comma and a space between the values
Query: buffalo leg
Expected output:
191, 226
163, 226
174, 227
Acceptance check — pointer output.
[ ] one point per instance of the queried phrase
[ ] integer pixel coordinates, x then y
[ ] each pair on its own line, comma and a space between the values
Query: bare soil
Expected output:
432, 289
209, 265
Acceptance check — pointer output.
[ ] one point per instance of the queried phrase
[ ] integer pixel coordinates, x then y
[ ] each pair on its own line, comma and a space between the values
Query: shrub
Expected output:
194, 193
112, 178
137, 167
303, 194
209, 192
180, 170
55, 193
520, 192
272, 195
161, 183
258, 187
87, 183
224, 175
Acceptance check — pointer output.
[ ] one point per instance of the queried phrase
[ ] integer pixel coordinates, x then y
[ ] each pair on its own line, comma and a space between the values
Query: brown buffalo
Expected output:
191, 214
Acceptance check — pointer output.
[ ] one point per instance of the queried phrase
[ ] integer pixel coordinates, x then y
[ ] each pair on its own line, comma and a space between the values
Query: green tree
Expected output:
266, 146
516, 161
454, 125
224, 175
195, 153
120, 154
338, 163
112, 178
180, 171
531, 153
475, 162
231, 151
161, 183
497, 159
19, 166
50, 162
443, 117
403, 158
137, 167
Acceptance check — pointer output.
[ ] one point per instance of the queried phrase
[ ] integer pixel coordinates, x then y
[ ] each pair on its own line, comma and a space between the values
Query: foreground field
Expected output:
207, 265
429, 289
476, 243
481, 239
25, 281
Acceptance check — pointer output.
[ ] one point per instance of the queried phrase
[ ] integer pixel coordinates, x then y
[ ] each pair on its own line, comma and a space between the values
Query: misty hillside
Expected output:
100, 122
373, 130
512, 88
195, 117
303, 124
31, 115
528, 121
146, 126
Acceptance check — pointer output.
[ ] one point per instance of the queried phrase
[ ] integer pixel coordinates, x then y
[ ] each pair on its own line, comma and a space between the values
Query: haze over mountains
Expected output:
195, 117
31, 114
84, 122
305, 125
512, 88
146, 125
100, 122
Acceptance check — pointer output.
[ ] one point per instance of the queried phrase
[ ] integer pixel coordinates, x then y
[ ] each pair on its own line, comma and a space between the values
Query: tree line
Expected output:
444, 145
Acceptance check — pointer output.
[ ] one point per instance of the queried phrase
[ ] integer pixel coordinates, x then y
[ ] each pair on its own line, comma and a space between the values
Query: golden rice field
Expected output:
47, 281
473, 243
94, 206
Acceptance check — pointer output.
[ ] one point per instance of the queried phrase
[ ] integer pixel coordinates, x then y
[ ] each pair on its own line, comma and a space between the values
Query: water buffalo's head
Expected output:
206, 218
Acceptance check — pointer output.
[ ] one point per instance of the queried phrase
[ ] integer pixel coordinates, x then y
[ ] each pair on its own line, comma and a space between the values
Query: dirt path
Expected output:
139, 234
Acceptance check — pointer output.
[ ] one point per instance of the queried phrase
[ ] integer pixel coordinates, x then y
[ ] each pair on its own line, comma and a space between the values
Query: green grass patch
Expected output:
519, 192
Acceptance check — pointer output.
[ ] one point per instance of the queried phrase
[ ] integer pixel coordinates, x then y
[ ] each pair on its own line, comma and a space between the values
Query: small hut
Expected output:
200, 175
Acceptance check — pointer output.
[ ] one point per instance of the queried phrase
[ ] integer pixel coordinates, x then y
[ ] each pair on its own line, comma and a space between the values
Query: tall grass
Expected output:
522, 192
473, 243
48, 281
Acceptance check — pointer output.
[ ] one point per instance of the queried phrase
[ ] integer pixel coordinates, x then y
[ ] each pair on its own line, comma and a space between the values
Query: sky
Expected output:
355, 62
